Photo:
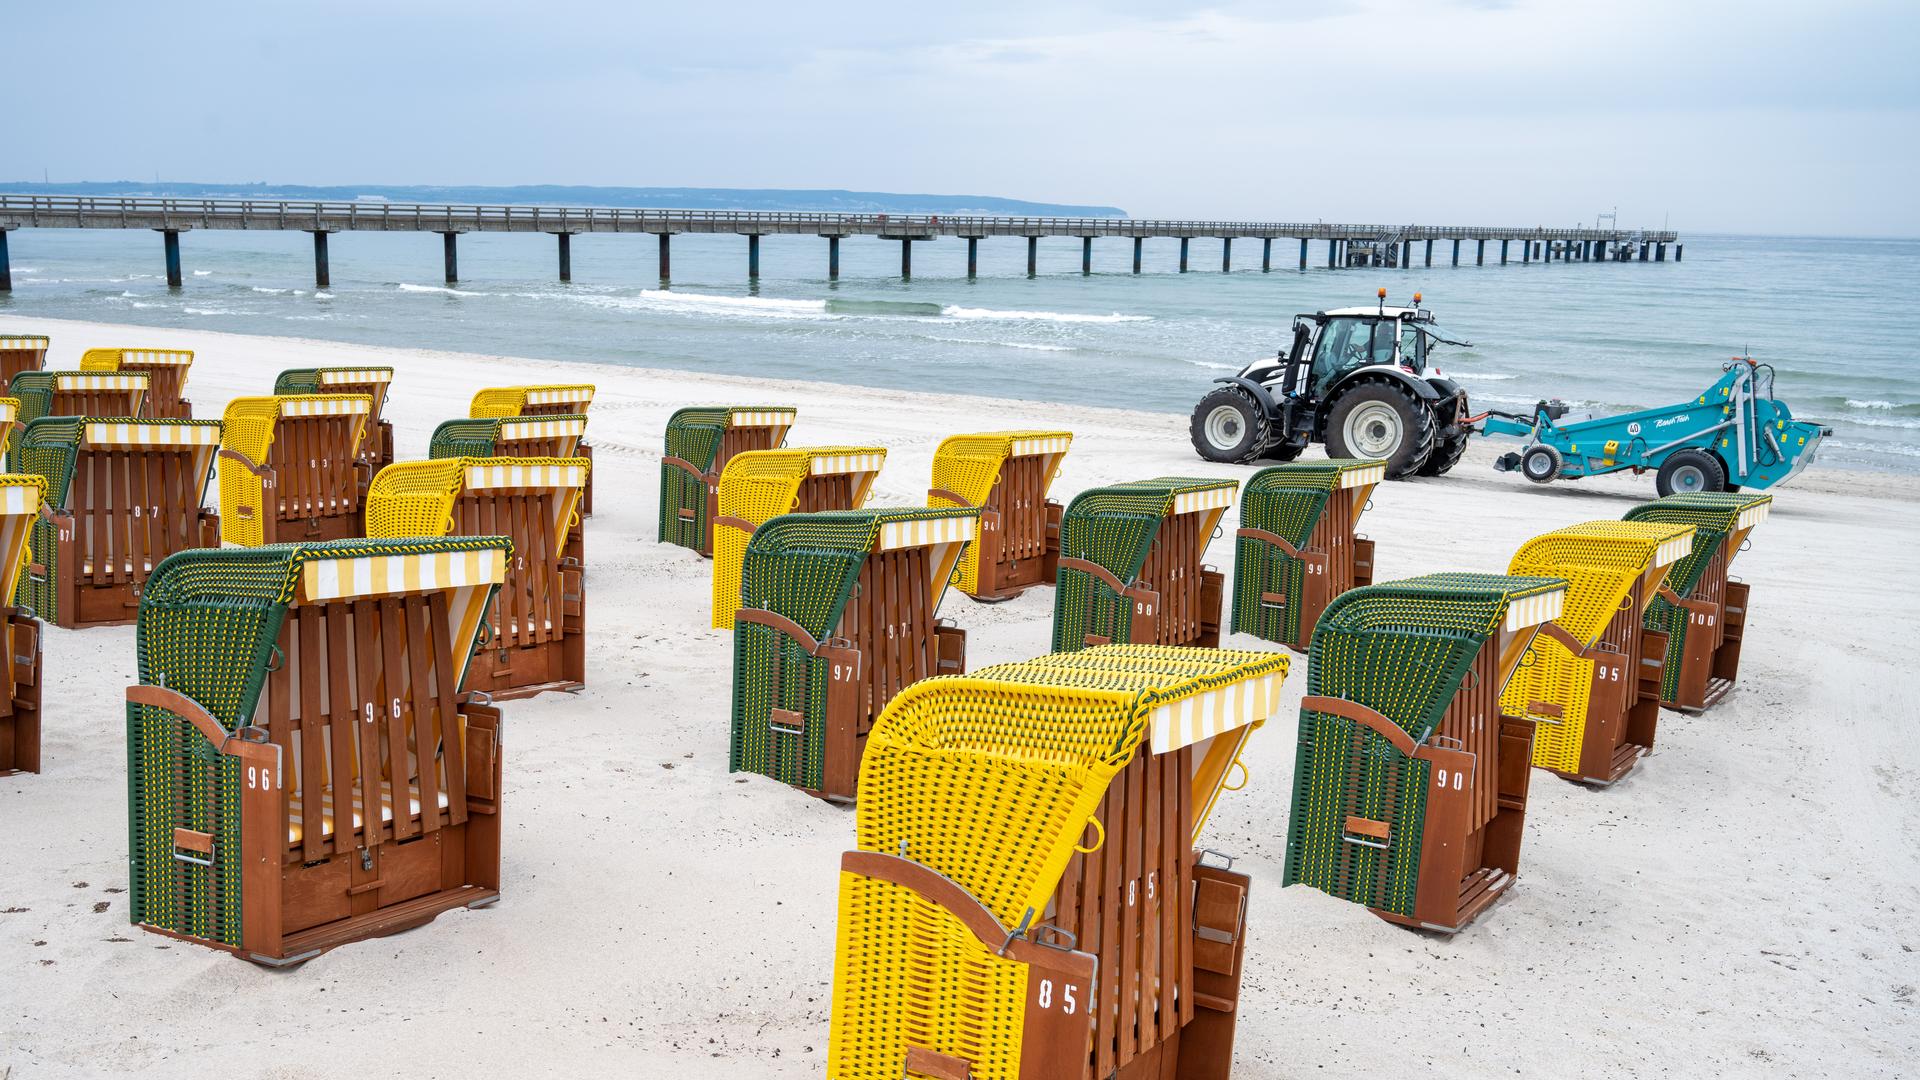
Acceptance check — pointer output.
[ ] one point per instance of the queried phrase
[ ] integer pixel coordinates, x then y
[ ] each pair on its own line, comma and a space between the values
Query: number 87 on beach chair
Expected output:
1296, 549
760, 485
20, 505
700, 442
304, 768
290, 468
1130, 564
1007, 475
1703, 614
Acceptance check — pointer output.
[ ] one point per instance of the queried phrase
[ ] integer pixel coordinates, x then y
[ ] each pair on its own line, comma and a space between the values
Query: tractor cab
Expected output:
1330, 345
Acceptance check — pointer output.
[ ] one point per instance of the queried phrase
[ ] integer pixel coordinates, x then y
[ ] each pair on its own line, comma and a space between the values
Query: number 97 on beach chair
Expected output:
1130, 564
1703, 612
20, 504
1296, 549
700, 441
290, 468
1007, 475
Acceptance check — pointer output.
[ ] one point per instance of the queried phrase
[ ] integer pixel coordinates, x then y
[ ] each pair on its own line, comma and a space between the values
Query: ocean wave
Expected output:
954, 311
275, 292
202, 311
1907, 423
1480, 376
322, 295
408, 287
203, 273
1028, 345
1898, 449
1212, 365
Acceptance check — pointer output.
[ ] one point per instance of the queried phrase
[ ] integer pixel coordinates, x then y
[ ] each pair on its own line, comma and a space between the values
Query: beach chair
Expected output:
1130, 565
837, 615
121, 496
304, 770
9, 414
21, 352
760, 485
376, 450
1591, 681
20, 503
566, 400
1296, 549
1702, 612
700, 442
544, 437
79, 393
1409, 783
1026, 900
290, 468
1007, 475
535, 639
166, 371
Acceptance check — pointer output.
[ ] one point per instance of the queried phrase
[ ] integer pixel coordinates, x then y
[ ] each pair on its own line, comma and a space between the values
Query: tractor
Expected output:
1358, 379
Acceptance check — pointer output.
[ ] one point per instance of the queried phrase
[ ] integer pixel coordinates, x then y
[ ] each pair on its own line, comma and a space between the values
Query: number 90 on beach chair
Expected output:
535, 638
558, 400
166, 371
376, 448
1026, 900
1296, 549
1702, 612
837, 615
1007, 474
760, 485
20, 502
290, 468
304, 768
1130, 564
1410, 785
1591, 680
699, 443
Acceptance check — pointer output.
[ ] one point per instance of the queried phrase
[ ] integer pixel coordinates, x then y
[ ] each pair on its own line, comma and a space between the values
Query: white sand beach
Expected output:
1745, 903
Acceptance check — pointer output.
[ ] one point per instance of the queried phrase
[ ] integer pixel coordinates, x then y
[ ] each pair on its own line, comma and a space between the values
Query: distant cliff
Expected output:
829, 201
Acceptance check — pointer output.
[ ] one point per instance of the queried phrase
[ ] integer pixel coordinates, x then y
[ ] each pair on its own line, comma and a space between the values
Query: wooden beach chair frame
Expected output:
700, 441
545, 437
1702, 611
166, 371
122, 494
1007, 475
21, 498
1297, 548
838, 613
760, 485
1132, 564
290, 468
79, 393
565, 399
21, 352
1055, 803
240, 651
376, 449
1410, 785
534, 638
1591, 681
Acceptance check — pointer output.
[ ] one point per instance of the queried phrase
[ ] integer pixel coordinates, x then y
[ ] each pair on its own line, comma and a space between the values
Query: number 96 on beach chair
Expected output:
1026, 900
1296, 549
20, 503
304, 769
1702, 612
376, 448
290, 468
700, 441
1130, 564
1007, 475
760, 485
166, 371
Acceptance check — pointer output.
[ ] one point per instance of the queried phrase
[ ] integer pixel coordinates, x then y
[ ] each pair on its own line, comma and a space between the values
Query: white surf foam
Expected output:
407, 287
954, 311
1028, 345
1479, 376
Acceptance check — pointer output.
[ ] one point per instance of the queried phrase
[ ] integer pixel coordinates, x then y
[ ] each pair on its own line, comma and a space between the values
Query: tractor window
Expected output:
1413, 347
1349, 343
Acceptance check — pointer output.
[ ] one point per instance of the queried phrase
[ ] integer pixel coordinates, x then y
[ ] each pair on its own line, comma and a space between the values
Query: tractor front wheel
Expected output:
1379, 420
1229, 426
1688, 471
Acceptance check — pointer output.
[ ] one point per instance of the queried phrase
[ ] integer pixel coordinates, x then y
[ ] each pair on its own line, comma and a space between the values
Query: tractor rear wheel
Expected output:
1446, 454
1688, 471
1380, 420
1229, 426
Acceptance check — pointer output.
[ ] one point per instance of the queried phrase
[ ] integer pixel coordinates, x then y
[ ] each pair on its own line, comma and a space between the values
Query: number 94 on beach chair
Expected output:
1007, 475
20, 505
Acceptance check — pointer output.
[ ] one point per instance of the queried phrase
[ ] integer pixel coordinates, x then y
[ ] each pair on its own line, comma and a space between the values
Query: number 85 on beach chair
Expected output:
700, 442
1703, 614
760, 485
20, 505
290, 468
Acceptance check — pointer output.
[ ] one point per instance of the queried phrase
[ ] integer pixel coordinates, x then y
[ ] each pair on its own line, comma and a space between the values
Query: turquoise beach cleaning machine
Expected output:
1734, 435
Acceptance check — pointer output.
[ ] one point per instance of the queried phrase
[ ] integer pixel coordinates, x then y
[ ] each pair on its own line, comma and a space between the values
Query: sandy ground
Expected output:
1744, 904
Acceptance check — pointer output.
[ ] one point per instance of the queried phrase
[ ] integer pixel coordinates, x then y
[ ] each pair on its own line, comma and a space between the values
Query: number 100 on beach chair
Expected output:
20, 504
166, 371
700, 442
1130, 565
304, 770
1702, 612
290, 468
760, 485
1007, 474
1296, 549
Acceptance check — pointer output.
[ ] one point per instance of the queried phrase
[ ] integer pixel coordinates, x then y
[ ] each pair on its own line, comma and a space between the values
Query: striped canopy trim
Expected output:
560, 395
26, 341
761, 417
9, 409
535, 427
1192, 502
927, 531
1530, 611
343, 376
157, 357
856, 461
326, 405
324, 578
91, 380
1035, 445
131, 432
21, 495
518, 473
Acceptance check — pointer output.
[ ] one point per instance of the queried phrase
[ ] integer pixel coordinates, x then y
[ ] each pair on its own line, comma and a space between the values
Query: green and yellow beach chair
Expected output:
544, 438
1409, 784
760, 485
700, 441
376, 450
1702, 612
1130, 564
166, 371
1026, 900
1592, 679
1007, 474
79, 393
304, 769
571, 399
1296, 549
290, 468
21, 352
21, 500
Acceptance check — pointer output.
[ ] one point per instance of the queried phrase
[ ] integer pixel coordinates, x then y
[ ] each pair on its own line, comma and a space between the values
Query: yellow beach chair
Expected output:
1007, 474
290, 468
760, 485
166, 370
376, 450
20, 507
571, 399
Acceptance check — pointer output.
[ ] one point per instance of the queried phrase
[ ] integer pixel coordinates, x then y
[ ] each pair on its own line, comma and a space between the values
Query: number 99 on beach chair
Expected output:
760, 485
1591, 680
1007, 475
166, 371
79, 393
1296, 549
1703, 614
560, 400
376, 448
1026, 901
837, 615
1410, 785
20, 502
304, 769
121, 496
21, 352
700, 441
1130, 564
290, 468
535, 638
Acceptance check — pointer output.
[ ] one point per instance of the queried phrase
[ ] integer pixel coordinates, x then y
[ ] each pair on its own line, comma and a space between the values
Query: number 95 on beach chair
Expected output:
1130, 564
1703, 614
1296, 549
121, 496
166, 371
837, 615
1007, 475
1410, 785
1026, 901
290, 468
760, 485
20, 503
535, 639
700, 442
304, 769
376, 448
1591, 680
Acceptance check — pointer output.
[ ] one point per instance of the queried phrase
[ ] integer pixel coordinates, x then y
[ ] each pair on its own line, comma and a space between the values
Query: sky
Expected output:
1749, 117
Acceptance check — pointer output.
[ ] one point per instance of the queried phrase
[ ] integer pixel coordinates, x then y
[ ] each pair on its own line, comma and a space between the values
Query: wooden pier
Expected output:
1398, 246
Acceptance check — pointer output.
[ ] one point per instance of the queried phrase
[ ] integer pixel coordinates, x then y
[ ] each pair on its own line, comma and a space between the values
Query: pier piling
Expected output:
1183, 254
1137, 241
906, 256
1303, 253
1503, 253
1430, 251
171, 239
322, 276
450, 251
1226, 255
833, 258
1033, 256
1266, 254
1659, 253
973, 256
1406, 255
1526, 253
566, 255
666, 255
753, 255
1456, 251
6, 267
1086, 255
1331, 244
1677, 249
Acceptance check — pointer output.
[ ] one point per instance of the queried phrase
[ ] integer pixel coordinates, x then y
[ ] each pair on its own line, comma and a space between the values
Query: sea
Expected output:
1834, 317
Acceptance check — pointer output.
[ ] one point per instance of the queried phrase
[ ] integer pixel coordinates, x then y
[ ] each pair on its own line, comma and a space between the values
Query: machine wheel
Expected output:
1688, 471
1229, 426
1446, 454
1283, 452
1379, 420
1540, 464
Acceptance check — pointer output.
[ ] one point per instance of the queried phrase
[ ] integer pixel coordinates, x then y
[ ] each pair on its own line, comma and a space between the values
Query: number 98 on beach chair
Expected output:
376, 448
1007, 475
304, 769
1296, 549
166, 371
760, 485
1702, 612
700, 442
1130, 564
20, 502
290, 468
